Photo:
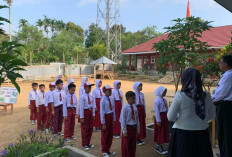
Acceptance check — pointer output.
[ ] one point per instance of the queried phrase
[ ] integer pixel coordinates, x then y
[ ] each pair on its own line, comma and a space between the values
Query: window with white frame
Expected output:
145, 60
152, 59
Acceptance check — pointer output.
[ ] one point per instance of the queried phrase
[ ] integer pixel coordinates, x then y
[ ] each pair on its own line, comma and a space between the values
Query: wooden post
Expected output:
136, 62
129, 62
103, 71
30, 57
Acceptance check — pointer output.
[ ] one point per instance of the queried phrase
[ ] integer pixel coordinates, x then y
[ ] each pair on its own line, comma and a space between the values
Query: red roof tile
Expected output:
216, 37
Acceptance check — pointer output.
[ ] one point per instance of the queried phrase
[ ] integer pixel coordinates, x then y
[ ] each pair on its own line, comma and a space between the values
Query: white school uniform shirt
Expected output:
47, 98
67, 103
224, 88
139, 94
126, 118
115, 93
32, 96
40, 99
105, 108
83, 103
160, 103
55, 97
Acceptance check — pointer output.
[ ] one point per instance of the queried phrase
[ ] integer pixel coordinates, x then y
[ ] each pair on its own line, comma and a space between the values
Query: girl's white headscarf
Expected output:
159, 91
135, 86
96, 83
83, 81
57, 76
115, 84
70, 81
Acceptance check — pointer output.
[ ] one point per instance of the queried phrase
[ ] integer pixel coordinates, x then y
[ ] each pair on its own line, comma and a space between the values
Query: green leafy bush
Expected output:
33, 145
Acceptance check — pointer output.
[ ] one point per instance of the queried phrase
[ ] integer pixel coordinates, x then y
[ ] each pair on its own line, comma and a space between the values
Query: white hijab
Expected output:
115, 84
96, 83
135, 86
70, 81
83, 81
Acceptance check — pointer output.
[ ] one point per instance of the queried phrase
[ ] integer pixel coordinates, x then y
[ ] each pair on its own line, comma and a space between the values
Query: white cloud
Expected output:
82, 3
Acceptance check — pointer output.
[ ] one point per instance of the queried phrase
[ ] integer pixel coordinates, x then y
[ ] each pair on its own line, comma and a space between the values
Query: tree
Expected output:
9, 2
98, 50
91, 35
151, 32
9, 63
46, 24
40, 23
59, 25
33, 38
22, 23
183, 47
52, 25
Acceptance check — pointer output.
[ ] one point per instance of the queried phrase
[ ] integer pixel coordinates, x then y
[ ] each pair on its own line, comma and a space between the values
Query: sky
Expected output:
135, 14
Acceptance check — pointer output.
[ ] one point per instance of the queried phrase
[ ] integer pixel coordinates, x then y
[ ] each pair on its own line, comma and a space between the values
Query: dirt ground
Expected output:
12, 125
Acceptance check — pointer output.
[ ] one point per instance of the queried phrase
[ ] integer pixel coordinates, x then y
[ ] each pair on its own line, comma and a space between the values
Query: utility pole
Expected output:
108, 17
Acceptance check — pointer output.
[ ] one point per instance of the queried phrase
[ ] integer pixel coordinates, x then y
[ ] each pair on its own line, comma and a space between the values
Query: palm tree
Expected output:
9, 2
52, 25
40, 23
46, 24
59, 25
22, 23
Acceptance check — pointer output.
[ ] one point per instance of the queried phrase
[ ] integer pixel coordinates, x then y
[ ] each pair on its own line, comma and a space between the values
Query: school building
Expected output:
146, 55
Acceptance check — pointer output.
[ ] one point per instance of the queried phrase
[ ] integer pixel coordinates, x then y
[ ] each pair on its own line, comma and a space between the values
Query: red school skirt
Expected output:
161, 133
97, 122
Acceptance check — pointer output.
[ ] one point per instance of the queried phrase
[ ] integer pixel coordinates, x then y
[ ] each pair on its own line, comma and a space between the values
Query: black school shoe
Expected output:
111, 153
139, 143
160, 150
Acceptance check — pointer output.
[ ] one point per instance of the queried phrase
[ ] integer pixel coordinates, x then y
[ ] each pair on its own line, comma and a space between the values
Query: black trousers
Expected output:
224, 127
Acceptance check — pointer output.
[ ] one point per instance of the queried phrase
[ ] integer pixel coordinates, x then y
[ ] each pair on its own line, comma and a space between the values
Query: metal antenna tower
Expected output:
108, 18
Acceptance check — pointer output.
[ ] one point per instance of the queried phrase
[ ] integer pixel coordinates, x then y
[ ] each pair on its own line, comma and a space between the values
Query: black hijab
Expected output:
192, 87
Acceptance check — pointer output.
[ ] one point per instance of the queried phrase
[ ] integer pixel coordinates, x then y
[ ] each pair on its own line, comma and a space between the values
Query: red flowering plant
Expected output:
209, 68
182, 46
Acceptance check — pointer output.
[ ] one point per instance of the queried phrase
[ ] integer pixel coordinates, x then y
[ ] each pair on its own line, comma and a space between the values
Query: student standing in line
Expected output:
48, 105
108, 118
31, 103
130, 126
97, 96
117, 96
161, 124
141, 107
87, 116
56, 99
70, 111
41, 110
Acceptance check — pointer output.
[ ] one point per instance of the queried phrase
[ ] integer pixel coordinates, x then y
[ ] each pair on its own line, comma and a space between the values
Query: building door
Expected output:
139, 62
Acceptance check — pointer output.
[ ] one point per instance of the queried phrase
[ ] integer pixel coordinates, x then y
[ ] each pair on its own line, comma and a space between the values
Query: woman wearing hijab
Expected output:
59, 77
191, 109
70, 81
141, 107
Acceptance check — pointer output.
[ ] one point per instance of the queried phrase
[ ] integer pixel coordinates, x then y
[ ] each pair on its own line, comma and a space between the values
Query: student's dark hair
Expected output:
59, 82
228, 60
129, 94
71, 85
34, 84
41, 85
